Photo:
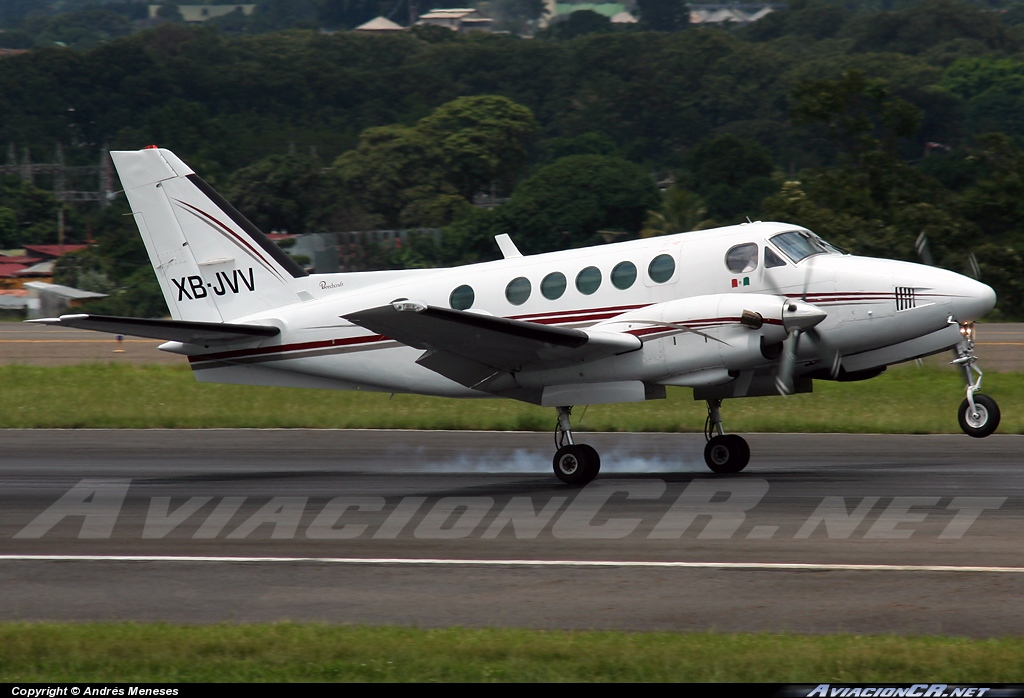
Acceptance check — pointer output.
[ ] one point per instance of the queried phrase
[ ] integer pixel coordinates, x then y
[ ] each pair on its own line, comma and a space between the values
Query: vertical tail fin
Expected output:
213, 265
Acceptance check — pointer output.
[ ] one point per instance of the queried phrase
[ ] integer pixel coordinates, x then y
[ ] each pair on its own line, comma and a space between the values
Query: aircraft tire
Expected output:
577, 464
984, 421
594, 458
727, 454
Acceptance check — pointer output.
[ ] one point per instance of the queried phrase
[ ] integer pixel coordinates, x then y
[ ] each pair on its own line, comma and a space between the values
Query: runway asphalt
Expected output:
822, 533
890, 534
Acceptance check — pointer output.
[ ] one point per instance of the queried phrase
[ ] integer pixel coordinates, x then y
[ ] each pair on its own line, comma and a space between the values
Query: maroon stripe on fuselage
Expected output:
286, 348
616, 309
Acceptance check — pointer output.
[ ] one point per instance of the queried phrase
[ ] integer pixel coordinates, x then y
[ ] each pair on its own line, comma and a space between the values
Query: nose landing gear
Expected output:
574, 464
978, 414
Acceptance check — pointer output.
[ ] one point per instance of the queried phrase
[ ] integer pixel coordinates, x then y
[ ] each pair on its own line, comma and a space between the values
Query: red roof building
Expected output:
11, 269
19, 259
53, 251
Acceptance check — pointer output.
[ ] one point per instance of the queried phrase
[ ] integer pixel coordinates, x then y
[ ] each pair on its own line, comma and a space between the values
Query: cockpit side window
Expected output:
800, 244
742, 258
772, 260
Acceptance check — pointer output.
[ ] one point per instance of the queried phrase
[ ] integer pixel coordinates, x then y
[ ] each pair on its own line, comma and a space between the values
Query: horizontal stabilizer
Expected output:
172, 330
476, 341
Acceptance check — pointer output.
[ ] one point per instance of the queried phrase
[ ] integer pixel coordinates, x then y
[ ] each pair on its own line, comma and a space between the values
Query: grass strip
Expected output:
909, 399
312, 652
904, 400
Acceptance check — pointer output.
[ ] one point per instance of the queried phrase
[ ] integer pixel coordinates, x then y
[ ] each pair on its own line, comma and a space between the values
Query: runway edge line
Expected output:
765, 566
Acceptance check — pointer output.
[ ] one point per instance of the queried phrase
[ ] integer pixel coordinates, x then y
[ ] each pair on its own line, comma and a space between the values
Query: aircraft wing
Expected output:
471, 347
171, 330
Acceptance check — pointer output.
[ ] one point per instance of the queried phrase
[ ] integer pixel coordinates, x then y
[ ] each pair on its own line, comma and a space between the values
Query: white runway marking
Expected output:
810, 566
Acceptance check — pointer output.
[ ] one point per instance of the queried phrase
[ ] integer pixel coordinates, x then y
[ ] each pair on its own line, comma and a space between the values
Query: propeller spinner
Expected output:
799, 318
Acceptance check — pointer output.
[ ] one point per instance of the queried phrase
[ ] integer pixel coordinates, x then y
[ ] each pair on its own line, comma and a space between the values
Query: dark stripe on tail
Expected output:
279, 255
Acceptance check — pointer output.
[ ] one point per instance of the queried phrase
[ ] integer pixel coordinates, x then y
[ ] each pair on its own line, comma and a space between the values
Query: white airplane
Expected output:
742, 311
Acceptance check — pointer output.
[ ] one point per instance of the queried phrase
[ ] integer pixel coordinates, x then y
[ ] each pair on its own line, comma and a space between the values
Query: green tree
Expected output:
483, 141
861, 114
877, 208
14, 38
8, 228
579, 23
681, 211
589, 143
993, 89
422, 175
392, 171
281, 192
117, 264
169, 11
516, 15
995, 202
569, 202
275, 15
732, 176
83, 29
815, 19
33, 210
664, 15
925, 25
13, 11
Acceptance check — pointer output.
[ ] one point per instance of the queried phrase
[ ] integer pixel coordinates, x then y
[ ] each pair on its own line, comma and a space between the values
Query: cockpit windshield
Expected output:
800, 244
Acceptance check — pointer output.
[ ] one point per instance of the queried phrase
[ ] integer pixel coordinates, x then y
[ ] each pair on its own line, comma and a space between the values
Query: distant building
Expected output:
13, 302
52, 300
45, 252
43, 271
380, 25
201, 13
36, 263
711, 13
735, 13
608, 9
460, 19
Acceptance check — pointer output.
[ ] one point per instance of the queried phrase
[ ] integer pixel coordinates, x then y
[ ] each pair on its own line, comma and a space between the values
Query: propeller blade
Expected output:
784, 378
829, 354
924, 251
972, 263
808, 268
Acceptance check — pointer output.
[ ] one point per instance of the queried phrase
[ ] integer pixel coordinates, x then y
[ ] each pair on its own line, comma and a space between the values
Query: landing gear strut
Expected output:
978, 414
574, 464
724, 453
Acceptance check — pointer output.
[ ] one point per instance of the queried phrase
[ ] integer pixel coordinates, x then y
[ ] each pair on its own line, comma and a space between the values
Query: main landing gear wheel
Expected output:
576, 464
982, 420
727, 453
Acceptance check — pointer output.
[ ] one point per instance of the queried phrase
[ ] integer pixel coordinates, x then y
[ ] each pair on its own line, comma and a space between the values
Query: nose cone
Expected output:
971, 299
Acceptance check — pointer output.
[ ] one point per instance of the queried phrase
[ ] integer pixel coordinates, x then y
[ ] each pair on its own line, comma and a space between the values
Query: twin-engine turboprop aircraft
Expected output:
742, 311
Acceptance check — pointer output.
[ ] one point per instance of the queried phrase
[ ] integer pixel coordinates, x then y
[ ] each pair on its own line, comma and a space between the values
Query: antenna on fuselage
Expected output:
507, 247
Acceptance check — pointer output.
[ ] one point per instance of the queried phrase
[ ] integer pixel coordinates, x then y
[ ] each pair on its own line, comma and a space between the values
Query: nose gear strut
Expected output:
978, 414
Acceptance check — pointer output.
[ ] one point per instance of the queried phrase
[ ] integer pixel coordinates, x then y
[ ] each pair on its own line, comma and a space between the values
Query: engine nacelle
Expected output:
727, 332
